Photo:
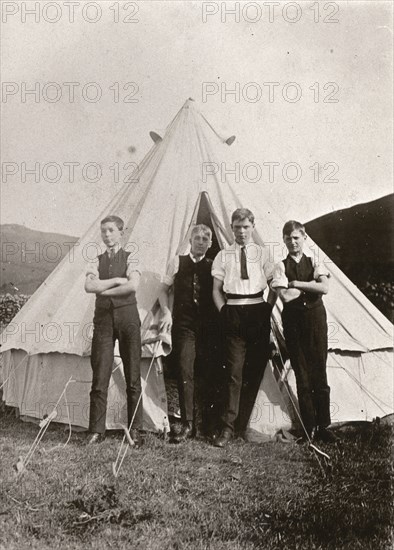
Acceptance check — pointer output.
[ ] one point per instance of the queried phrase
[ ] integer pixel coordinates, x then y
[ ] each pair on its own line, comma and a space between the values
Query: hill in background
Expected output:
360, 241
28, 257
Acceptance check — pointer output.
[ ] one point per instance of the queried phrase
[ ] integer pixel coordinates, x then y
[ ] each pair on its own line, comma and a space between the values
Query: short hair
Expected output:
242, 214
292, 225
113, 219
201, 228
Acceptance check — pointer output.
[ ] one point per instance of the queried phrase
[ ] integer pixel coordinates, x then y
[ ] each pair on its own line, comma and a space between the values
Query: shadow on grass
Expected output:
346, 504
194, 496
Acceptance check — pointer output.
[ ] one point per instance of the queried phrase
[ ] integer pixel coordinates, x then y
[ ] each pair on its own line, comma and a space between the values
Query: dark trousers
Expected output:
305, 333
246, 340
197, 354
120, 323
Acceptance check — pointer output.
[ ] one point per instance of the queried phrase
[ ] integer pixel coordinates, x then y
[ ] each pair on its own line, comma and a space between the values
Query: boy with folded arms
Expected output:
300, 282
114, 278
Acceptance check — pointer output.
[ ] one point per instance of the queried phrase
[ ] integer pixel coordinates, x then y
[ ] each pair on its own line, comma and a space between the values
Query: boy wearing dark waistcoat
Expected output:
300, 282
114, 278
192, 323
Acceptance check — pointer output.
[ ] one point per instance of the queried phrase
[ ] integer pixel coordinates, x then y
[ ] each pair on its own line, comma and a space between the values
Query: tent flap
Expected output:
179, 183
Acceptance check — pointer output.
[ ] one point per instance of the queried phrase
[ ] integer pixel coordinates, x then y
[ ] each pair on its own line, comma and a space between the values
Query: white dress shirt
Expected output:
227, 268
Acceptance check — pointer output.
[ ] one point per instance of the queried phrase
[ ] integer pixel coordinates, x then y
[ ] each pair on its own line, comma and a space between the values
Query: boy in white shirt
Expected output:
241, 273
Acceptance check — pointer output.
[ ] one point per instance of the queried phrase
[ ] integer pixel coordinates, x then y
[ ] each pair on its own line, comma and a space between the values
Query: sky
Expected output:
313, 94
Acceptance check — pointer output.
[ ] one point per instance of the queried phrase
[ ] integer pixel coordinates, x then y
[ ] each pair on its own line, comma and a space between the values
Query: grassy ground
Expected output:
194, 496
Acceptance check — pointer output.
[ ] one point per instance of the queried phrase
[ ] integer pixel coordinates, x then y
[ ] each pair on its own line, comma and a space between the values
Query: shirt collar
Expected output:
115, 249
238, 246
296, 260
193, 259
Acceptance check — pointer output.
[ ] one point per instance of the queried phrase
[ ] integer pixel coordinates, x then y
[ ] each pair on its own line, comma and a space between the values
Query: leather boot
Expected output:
325, 435
223, 438
185, 433
137, 437
94, 438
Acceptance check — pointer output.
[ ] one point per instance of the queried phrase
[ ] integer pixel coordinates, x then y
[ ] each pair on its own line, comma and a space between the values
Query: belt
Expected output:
242, 296
245, 299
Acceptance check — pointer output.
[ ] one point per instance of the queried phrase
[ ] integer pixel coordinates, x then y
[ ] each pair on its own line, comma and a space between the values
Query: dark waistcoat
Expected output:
107, 270
193, 289
301, 271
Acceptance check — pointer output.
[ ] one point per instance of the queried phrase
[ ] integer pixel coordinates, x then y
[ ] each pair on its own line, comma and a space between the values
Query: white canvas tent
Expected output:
49, 339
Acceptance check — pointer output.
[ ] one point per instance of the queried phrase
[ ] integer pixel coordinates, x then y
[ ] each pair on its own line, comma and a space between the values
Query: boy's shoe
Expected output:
326, 436
304, 438
185, 433
137, 437
223, 438
199, 432
240, 435
94, 438
214, 435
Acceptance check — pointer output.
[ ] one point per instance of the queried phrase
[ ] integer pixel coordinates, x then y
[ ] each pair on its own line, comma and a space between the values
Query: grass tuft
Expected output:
195, 496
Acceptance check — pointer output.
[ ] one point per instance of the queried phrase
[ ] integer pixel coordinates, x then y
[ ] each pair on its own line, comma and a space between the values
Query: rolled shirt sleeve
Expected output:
172, 270
92, 269
133, 265
268, 265
320, 270
279, 279
218, 269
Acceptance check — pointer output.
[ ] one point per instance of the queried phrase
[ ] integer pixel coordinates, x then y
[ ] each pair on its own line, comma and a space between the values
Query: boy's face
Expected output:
295, 242
200, 242
110, 234
243, 230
